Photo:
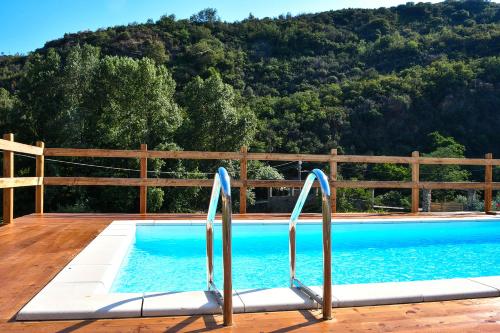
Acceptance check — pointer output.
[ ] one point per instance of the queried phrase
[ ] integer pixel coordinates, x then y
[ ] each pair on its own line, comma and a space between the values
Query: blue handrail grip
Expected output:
225, 181
325, 187
221, 182
302, 197
214, 198
323, 181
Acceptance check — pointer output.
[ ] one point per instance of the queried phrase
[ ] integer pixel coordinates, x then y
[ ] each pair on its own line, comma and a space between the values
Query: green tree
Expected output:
156, 50
42, 115
353, 199
132, 103
206, 15
393, 199
79, 99
206, 53
259, 170
217, 119
302, 122
7, 103
52, 94
388, 171
443, 146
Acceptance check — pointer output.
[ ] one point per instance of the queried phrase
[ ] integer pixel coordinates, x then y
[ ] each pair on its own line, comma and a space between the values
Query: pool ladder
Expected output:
222, 186
326, 299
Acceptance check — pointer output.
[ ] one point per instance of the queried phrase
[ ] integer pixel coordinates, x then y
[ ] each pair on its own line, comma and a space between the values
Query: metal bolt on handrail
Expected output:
222, 185
326, 300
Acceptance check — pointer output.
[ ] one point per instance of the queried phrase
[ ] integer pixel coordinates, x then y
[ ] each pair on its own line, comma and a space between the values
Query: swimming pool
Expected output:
143, 268
172, 257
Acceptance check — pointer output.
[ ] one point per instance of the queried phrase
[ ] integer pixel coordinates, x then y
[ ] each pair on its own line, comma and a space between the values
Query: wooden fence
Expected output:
9, 182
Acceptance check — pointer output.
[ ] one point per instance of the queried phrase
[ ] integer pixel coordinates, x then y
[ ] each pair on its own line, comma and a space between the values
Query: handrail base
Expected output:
218, 296
327, 313
308, 291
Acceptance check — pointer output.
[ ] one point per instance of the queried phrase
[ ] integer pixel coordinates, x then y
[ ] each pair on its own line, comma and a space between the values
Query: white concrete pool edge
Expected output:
81, 289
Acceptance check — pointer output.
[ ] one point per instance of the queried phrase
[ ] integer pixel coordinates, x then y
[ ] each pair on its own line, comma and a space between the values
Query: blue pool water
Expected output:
172, 258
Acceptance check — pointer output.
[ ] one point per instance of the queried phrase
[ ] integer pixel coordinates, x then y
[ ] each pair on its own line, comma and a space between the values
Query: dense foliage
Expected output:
418, 76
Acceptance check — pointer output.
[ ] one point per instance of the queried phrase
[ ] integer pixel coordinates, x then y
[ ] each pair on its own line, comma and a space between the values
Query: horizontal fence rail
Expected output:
7, 145
8, 182
203, 155
20, 182
111, 181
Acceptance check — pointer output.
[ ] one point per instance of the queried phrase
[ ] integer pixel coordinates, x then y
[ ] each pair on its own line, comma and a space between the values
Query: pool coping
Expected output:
81, 289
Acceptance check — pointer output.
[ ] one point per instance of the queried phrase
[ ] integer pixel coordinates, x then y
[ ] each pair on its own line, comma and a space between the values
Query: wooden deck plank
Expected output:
34, 248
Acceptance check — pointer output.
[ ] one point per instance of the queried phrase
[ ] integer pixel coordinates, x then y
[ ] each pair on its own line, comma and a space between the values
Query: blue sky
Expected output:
26, 25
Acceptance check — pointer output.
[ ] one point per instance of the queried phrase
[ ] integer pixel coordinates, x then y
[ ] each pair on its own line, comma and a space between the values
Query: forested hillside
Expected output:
388, 81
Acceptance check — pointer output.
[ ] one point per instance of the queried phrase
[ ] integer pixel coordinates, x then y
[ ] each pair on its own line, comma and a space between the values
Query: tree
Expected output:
206, 53
217, 118
7, 102
132, 103
353, 199
442, 147
156, 50
302, 122
52, 94
207, 15
388, 171
376, 28
80, 99
259, 170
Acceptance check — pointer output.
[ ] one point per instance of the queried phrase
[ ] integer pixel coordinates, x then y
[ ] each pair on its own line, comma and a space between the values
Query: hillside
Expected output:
382, 81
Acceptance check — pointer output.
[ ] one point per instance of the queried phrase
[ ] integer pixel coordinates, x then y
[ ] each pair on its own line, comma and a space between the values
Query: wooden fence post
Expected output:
143, 192
40, 171
415, 178
8, 193
488, 186
333, 178
243, 178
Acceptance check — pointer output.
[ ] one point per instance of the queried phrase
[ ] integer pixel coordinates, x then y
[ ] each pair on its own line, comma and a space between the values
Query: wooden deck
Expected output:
34, 248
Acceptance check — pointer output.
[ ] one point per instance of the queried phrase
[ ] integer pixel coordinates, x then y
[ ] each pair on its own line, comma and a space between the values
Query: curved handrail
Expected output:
221, 182
327, 247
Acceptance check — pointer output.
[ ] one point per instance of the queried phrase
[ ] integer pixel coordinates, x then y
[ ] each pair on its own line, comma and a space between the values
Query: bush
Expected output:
393, 199
353, 199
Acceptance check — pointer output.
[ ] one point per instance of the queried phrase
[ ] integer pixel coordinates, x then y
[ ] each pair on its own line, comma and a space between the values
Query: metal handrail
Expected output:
221, 182
326, 300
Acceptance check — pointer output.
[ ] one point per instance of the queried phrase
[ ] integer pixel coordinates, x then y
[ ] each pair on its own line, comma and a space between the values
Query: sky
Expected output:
26, 25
